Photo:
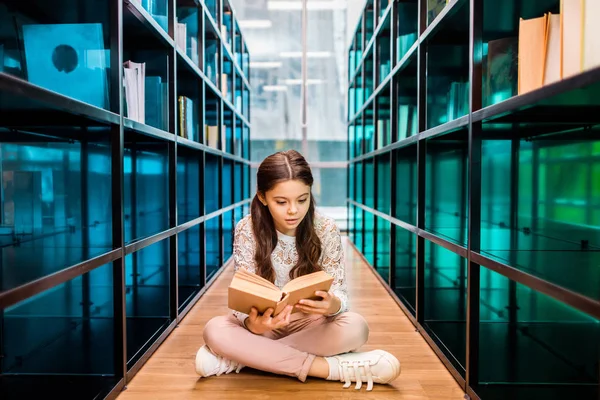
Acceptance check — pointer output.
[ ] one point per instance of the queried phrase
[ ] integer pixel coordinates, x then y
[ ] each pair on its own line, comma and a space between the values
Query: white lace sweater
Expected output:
285, 255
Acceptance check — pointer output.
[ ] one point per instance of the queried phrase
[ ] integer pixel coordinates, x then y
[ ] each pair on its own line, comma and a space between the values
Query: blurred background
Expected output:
273, 33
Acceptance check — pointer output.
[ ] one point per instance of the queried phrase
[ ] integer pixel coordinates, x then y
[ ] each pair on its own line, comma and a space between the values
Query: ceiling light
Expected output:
310, 5
299, 81
309, 54
265, 64
255, 23
274, 88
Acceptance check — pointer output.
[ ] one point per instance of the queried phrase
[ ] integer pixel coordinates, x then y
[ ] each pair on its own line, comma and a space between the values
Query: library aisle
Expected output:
169, 373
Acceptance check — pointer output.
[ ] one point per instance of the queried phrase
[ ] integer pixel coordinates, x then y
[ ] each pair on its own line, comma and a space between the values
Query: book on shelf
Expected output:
212, 136
224, 87
181, 36
500, 70
188, 118
248, 290
557, 46
134, 77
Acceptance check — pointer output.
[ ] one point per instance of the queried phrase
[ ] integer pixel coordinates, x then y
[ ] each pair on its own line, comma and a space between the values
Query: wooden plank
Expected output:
170, 374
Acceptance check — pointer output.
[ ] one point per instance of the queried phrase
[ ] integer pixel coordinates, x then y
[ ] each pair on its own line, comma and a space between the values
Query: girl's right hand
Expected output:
259, 324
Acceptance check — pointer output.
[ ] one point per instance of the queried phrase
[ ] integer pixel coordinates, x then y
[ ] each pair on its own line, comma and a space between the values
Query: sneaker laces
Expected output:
345, 373
226, 366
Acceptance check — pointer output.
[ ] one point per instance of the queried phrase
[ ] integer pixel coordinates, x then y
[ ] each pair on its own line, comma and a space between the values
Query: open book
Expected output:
248, 290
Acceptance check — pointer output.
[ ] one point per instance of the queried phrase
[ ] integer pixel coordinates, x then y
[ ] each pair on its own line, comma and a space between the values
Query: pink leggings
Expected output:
290, 350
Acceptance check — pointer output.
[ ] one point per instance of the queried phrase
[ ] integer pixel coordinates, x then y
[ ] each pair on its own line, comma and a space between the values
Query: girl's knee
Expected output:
213, 332
357, 328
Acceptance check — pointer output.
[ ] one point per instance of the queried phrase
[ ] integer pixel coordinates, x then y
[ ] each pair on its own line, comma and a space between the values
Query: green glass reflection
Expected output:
406, 184
351, 224
557, 189
359, 142
369, 81
351, 182
369, 130
359, 228
384, 61
406, 268
383, 183
369, 237
528, 339
369, 180
384, 127
447, 83
360, 181
408, 18
446, 196
446, 302
382, 248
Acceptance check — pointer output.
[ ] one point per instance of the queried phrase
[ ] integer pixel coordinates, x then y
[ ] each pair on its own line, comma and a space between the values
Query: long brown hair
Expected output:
280, 167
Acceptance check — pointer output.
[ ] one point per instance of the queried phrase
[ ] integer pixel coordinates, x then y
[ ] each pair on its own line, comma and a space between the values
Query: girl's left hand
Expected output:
329, 305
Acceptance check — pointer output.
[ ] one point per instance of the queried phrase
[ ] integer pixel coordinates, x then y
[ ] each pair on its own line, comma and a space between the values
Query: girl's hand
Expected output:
259, 324
329, 305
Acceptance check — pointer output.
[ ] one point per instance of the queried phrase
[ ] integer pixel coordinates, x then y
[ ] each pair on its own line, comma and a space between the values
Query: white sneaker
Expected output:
208, 363
377, 366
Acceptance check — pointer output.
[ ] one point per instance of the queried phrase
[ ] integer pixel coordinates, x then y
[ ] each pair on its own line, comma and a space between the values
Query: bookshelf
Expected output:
119, 196
477, 204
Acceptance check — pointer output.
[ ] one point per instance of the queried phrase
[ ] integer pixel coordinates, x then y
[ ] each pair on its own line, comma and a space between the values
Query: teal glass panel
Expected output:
227, 26
382, 248
406, 184
446, 302
405, 90
226, 80
153, 61
533, 346
351, 181
66, 331
159, 10
501, 44
238, 185
146, 185
228, 117
228, 225
147, 297
189, 17
448, 65
359, 228
189, 202
351, 141
189, 103
212, 8
360, 182
360, 137
383, 5
213, 246
384, 183
189, 263
212, 53
446, 197
369, 179
212, 183
227, 182
369, 237
246, 143
369, 129
383, 44
54, 209
557, 195
407, 15
369, 17
369, 75
406, 268
246, 192
384, 123
237, 138
46, 45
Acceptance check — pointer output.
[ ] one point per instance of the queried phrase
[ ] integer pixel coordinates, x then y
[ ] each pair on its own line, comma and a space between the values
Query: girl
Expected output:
283, 238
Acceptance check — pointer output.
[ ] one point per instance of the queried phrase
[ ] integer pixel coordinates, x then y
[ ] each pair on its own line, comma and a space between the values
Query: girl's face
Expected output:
288, 204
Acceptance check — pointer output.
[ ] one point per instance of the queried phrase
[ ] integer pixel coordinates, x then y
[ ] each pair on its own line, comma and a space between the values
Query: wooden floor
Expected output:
170, 374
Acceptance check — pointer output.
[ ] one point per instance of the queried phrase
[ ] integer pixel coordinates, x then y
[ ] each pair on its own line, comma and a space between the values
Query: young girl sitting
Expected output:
283, 238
